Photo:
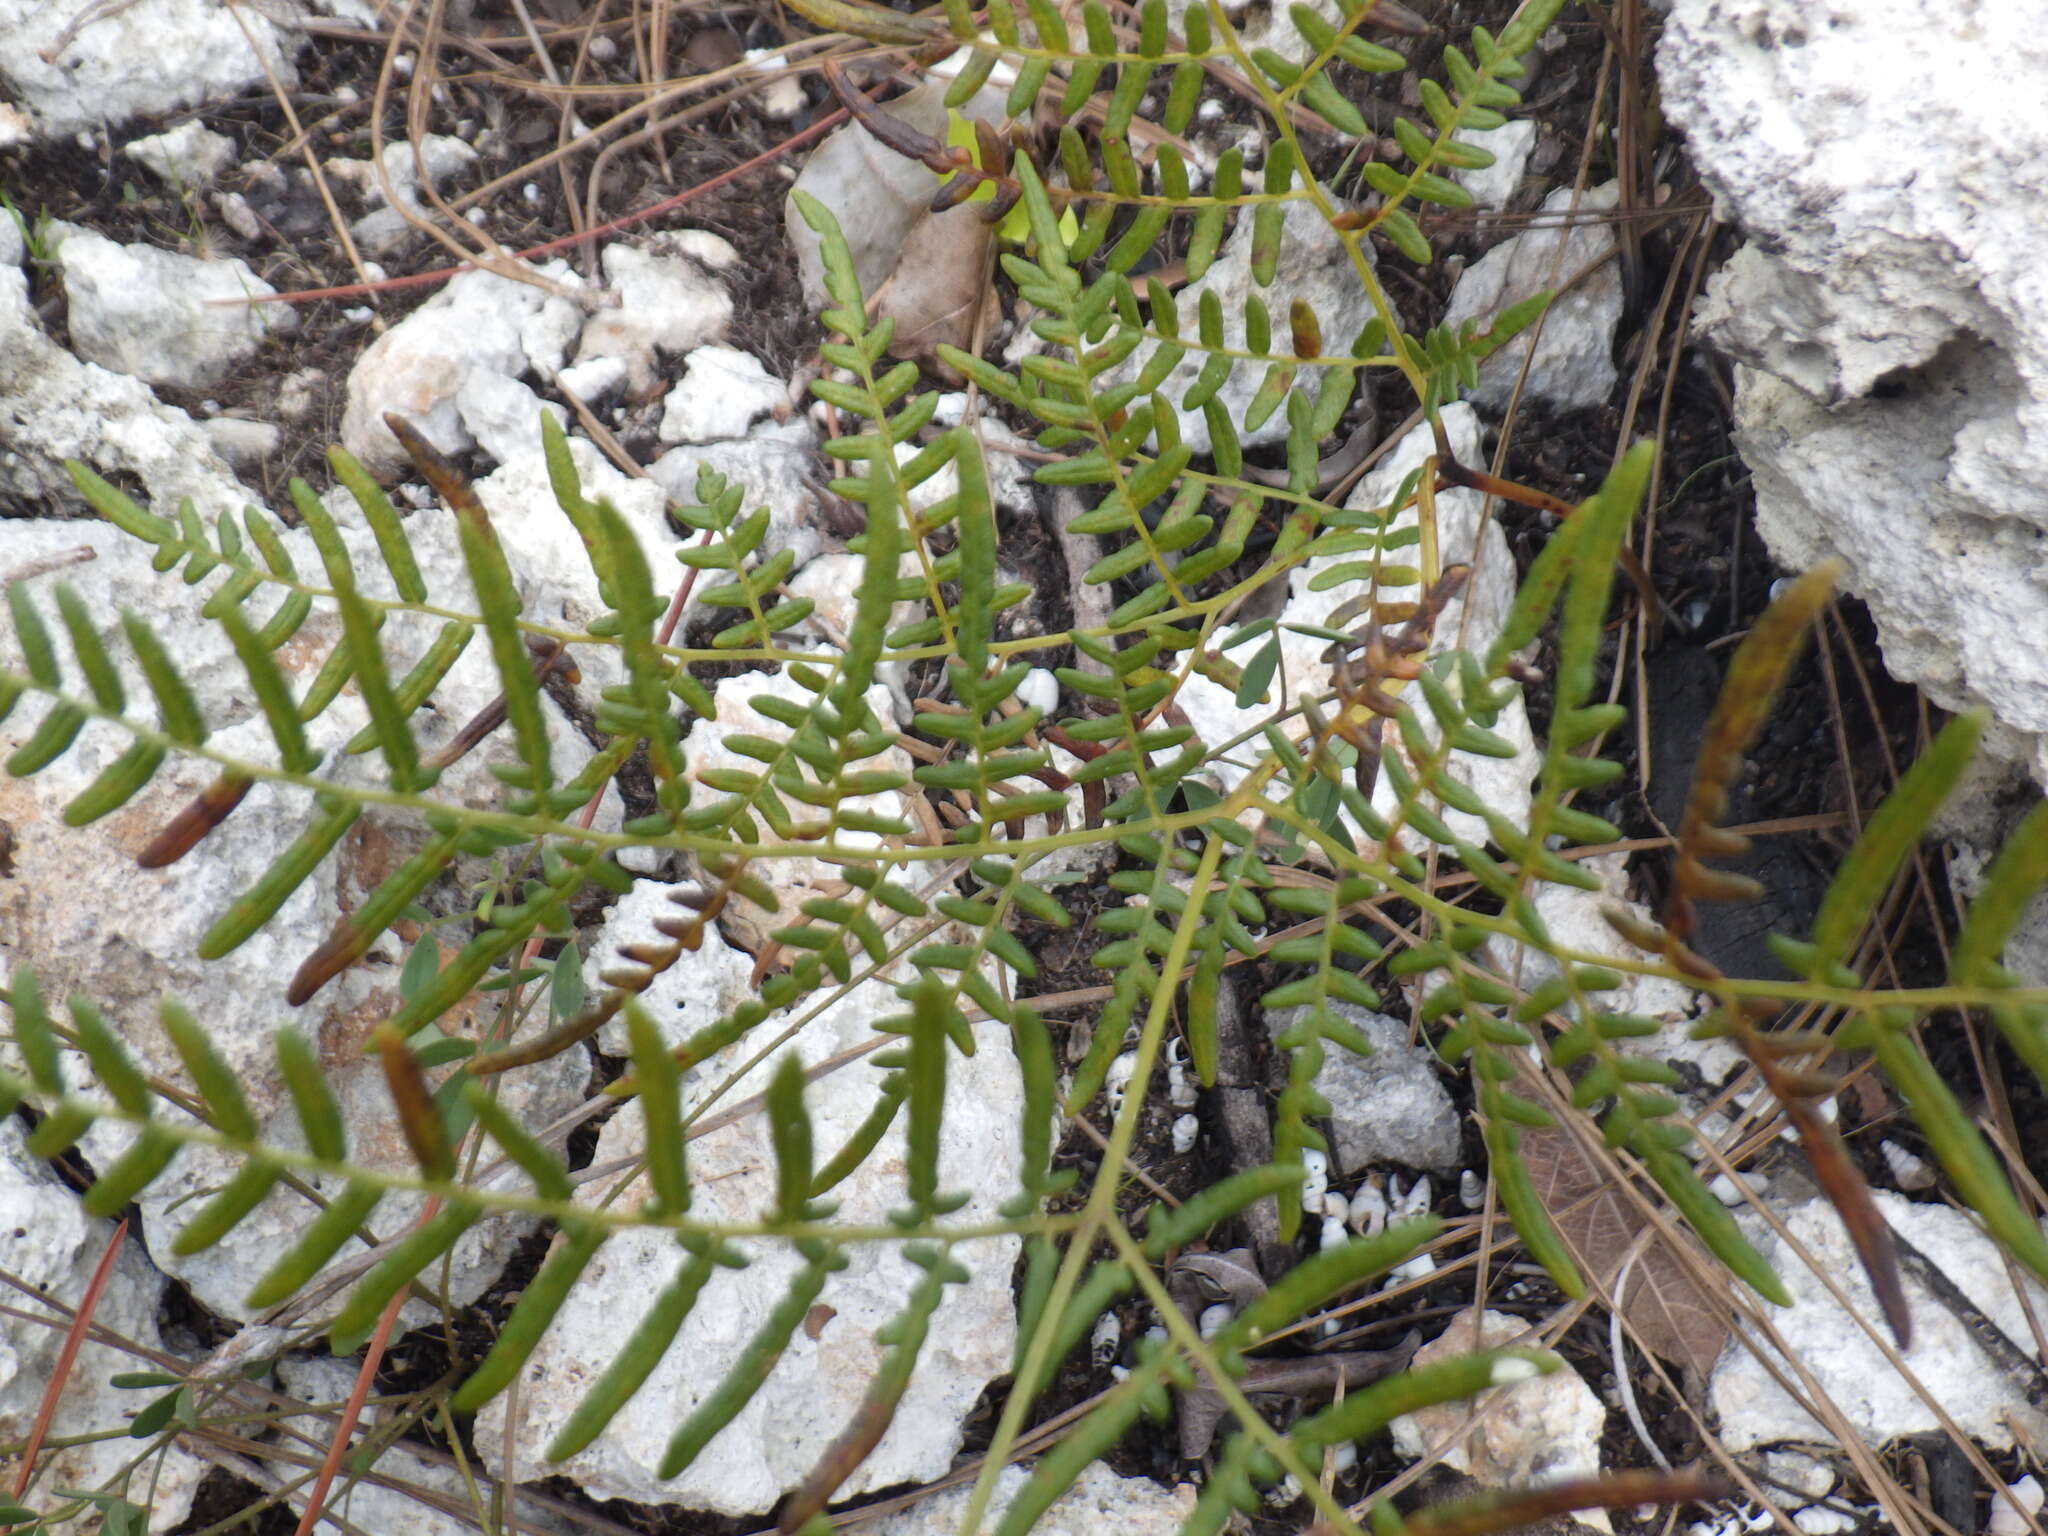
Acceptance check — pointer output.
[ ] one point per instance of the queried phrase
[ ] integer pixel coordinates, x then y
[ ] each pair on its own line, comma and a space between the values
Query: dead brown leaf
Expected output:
1670, 1313
940, 284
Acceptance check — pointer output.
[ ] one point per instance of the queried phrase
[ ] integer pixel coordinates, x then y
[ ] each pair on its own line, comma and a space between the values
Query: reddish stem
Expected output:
74, 1337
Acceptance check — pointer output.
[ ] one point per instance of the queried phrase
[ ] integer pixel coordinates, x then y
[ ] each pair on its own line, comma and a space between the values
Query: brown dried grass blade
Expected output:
1486, 1513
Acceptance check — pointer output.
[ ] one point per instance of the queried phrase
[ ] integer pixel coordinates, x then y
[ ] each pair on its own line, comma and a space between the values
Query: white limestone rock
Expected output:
779, 469
502, 414
55, 1247
75, 72
243, 443
1545, 1429
190, 155
1982, 1400
669, 300
1388, 1107
1313, 266
54, 407
1892, 315
124, 936
1471, 620
1491, 186
1099, 1501
479, 323
721, 393
1574, 363
702, 987
820, 1379
163, 317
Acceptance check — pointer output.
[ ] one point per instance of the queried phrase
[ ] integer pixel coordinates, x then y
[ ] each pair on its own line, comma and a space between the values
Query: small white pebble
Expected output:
402, 66
373, 272
357, 314
477, 216
1343, 1456
603, 49
1215, 1319
1471, 1190
1209, 110
1107, 1339
531, 192
347, 95
1723, 1189
1186, 1130
1039, 690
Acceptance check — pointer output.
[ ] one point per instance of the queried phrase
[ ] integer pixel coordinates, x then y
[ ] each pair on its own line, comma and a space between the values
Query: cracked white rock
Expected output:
703, 986
1542, 1429
124, 936
148, 59
54, 1248
1099, 1501
1574, 362
721, 393
161, 316
820, 1379
502, 414
1388, 1107
479, 323
54, 407
1898, 250
1313, 266
1983, 1400
668, 301
189, 155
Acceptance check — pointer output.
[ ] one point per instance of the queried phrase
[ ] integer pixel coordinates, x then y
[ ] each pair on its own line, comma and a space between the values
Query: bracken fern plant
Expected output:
927, 846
